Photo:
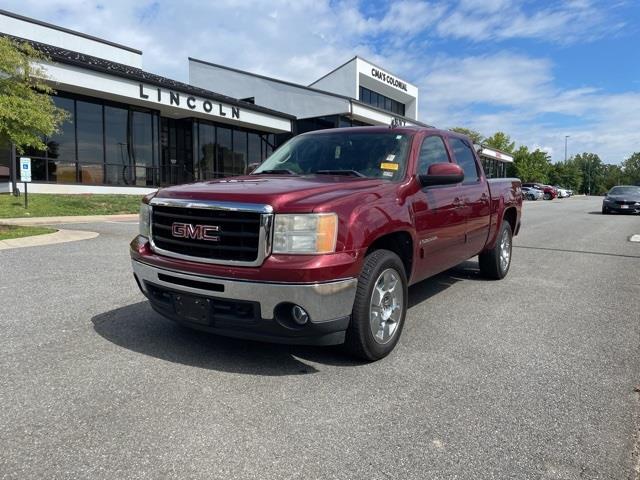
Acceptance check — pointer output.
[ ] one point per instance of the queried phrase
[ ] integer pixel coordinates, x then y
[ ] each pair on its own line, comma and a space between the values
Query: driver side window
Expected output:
431, 151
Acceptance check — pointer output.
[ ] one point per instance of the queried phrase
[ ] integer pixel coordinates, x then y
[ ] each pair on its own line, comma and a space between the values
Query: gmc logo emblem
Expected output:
195, 232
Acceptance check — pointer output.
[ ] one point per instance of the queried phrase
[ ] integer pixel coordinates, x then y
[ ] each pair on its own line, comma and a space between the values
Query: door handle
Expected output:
484, 197
458, 203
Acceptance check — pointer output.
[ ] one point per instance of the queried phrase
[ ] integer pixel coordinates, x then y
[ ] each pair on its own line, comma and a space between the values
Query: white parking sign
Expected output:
25, 169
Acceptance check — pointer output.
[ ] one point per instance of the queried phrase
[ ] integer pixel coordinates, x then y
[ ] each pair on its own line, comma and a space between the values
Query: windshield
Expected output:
625, 191
358, 154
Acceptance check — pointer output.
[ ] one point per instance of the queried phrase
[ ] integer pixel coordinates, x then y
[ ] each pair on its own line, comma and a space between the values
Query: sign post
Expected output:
25, 177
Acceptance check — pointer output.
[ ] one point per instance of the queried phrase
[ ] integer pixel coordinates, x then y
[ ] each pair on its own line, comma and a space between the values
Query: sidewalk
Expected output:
133, 217
61, 236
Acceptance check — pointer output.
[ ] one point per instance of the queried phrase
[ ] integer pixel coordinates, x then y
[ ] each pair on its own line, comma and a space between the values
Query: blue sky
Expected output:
536, 70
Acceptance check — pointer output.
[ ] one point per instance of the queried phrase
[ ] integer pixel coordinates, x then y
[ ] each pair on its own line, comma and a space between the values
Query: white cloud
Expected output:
300, 40
565, 22
530, 107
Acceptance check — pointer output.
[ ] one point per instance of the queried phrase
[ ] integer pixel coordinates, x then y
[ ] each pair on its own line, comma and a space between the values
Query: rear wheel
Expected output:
380, 307
547, 196
495, 263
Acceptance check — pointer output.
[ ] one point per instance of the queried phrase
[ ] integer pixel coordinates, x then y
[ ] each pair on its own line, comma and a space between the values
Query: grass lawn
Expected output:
47, 205
14, 231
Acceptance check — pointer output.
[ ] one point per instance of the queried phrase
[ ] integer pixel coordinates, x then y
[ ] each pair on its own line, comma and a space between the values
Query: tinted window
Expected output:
207, 149
89, 125
239, 163
464, 158
63, 143
225, 152
116, 121
432, 151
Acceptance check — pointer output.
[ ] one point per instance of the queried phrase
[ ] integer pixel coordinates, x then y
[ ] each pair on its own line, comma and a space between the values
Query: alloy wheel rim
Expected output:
385, 308
505, 251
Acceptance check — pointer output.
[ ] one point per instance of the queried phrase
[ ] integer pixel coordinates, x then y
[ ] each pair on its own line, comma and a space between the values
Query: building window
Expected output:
239, 165
118, 163
380, 101
5, 159
100, 143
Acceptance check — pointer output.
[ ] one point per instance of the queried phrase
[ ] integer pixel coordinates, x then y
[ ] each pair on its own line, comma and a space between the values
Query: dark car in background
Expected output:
622, 199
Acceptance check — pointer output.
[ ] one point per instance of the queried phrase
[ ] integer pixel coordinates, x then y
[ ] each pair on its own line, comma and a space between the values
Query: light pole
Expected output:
565, 147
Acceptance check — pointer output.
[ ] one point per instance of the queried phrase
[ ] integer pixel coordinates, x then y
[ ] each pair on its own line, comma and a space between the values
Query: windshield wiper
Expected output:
352, 173
278, 171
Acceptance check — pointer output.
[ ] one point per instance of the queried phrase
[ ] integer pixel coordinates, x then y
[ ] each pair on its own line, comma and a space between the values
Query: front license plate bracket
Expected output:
192, 309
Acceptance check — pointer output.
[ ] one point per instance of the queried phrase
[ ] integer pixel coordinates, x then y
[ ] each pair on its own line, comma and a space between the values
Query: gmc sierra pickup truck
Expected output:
319, 244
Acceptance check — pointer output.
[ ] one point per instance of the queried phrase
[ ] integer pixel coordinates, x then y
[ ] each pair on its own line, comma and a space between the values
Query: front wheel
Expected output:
380, 307
495, 263
547, 196
605, 210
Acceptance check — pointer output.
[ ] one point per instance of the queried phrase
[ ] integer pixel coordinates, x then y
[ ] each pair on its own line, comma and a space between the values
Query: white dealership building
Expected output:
132, 131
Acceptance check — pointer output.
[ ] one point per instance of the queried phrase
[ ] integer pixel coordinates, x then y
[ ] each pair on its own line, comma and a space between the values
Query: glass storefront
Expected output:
224, 151
105, 143
100, 143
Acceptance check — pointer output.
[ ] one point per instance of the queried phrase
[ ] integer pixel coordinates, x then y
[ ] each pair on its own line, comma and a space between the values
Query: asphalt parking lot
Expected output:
529, 377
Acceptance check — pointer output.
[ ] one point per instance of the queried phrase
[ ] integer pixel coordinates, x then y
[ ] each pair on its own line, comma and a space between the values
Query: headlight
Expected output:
145, 220
305, 233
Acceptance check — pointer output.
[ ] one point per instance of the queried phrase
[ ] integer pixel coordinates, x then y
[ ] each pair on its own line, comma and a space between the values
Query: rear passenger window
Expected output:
464, 158
432, 151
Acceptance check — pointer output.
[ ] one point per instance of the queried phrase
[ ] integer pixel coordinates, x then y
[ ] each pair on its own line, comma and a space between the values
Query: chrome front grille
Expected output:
211, 232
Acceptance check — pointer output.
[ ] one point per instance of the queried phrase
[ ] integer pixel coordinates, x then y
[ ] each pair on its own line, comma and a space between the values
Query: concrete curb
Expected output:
69, 219
61, 236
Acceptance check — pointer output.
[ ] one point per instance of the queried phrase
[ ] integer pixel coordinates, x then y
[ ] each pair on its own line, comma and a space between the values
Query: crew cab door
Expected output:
439, 216
475, 194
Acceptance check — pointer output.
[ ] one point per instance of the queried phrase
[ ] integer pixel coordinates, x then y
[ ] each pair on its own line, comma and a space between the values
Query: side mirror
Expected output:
442, 174
606, 193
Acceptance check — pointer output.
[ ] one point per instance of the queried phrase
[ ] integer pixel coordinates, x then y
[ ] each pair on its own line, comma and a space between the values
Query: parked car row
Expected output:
536, 191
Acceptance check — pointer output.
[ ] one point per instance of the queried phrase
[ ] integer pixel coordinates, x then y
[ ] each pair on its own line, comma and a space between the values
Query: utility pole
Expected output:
565, 148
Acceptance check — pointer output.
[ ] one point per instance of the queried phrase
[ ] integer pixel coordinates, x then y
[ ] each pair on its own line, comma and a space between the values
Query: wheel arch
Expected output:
400, 243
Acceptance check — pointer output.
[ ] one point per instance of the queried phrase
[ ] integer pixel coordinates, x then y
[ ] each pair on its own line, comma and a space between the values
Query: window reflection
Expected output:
89, 128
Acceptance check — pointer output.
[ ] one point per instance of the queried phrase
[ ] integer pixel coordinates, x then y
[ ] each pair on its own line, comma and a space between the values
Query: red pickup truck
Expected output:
319, 244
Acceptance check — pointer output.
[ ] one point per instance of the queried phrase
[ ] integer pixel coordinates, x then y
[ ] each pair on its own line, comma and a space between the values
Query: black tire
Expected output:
605, 210
491, 265
360, 341
547, 196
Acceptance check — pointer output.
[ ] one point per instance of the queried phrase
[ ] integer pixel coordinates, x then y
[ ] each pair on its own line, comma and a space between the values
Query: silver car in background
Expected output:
530, 193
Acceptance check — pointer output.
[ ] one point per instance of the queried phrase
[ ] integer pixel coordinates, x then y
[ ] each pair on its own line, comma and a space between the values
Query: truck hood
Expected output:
284, 193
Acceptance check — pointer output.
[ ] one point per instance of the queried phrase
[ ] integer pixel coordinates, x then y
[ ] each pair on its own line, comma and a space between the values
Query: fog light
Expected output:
300, 316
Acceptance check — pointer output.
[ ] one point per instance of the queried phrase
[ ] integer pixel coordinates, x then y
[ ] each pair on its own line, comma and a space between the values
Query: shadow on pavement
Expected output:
138, 328
426, 289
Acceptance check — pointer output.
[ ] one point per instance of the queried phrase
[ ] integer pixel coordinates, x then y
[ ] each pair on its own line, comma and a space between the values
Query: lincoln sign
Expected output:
189, 101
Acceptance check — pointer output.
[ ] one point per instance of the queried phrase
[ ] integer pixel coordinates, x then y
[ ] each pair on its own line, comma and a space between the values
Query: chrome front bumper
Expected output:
323, 301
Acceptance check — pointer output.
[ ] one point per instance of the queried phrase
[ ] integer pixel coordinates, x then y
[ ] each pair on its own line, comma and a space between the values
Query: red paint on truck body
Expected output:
447, 224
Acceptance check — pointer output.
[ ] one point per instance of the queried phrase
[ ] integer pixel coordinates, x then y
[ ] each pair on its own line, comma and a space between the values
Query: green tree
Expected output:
566, 174
27, 112
501, 141
593, 173
474, 135
530, 166
631, 169
612, 175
